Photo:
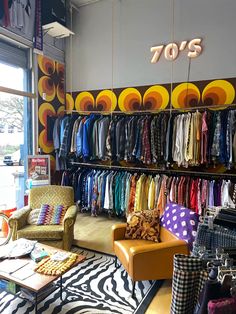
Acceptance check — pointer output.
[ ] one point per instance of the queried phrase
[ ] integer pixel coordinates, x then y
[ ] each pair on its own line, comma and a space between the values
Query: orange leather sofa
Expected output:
147, 260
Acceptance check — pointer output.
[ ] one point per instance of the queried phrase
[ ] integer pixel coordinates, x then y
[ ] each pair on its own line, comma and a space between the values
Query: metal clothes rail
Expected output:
169, 172
143, 112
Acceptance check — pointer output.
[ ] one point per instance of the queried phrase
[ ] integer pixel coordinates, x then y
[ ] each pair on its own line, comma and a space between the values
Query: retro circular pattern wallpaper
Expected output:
217, 94
51, 101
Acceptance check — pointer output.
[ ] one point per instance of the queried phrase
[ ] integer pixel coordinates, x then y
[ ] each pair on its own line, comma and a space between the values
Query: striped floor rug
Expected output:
94, 286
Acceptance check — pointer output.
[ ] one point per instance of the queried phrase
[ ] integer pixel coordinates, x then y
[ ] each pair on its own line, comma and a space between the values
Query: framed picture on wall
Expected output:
38, 170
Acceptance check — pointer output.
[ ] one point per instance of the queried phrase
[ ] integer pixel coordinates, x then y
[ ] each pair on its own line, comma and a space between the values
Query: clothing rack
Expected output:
168, 172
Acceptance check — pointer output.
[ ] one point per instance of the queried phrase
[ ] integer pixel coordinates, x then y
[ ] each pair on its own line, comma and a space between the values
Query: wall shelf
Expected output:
57, 30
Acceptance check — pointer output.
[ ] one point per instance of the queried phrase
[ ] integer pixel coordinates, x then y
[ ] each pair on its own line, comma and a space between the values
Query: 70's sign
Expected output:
171, 51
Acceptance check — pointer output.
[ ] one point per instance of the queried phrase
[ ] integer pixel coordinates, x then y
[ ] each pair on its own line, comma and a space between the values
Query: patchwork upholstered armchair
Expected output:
57, 235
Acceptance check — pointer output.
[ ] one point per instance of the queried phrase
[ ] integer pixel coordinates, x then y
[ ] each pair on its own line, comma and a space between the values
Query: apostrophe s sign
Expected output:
172, 50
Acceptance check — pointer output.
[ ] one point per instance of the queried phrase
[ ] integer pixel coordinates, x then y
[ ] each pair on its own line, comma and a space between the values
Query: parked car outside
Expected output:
13, 159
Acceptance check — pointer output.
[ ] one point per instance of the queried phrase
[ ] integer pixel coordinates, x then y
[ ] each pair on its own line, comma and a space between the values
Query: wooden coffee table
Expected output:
34, 282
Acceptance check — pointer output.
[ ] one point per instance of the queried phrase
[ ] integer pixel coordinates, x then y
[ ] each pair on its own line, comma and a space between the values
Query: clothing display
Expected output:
214, 236
122, 192
16, 14
189, 276
210, 291
190, 139
186, 139
222, 306
203, 285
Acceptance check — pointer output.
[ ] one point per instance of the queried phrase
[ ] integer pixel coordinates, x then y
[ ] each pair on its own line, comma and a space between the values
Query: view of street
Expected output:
8, 186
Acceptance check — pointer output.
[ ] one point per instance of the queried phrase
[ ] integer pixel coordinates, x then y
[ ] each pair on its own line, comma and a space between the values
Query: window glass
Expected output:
13, 77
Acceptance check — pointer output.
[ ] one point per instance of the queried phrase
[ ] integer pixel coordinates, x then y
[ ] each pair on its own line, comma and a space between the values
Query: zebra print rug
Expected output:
94, 286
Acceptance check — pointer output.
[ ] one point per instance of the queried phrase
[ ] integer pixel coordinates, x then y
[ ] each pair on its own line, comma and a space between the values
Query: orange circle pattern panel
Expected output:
106, 100
60, 86
185, 95
69, 102
218, 92
84, 102
46, 65
47, 88
46, 146
45, 110
130, 99
156, 97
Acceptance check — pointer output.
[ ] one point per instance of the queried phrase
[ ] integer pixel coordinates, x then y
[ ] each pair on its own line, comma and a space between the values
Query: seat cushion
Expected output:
33, 216
51, 215
181, 221
122, 250
45, 232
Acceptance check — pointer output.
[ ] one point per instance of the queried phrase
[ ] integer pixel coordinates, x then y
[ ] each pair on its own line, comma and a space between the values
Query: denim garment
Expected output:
79, 138
87, 138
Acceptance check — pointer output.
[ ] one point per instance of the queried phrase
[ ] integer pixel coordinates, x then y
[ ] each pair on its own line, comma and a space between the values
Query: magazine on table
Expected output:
18, 248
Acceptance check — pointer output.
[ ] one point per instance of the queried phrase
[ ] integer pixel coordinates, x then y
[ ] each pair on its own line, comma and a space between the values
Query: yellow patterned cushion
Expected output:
46, 232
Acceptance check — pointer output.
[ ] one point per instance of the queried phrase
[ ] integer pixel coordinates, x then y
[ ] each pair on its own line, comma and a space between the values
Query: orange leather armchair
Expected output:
147, 260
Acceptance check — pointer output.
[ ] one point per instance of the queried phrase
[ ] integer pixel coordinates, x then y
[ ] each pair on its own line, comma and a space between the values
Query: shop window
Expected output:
15, 123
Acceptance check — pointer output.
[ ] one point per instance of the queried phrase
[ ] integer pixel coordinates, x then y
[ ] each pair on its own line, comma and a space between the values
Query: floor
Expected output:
95, 233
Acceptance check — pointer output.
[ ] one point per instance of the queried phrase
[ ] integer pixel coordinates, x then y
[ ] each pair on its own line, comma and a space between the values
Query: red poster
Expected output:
39, 170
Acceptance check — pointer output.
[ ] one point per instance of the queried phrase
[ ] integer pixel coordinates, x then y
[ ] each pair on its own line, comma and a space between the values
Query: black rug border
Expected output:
154, 288
144, 304
94, 251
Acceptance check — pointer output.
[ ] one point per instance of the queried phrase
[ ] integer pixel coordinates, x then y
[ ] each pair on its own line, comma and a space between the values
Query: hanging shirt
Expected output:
132, 194
103, 126
74, 135
107, 203
79, 138
87, 140
225, 196
204, 138
151, 195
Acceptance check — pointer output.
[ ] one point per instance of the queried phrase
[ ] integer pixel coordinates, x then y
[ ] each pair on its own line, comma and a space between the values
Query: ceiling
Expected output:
80, 3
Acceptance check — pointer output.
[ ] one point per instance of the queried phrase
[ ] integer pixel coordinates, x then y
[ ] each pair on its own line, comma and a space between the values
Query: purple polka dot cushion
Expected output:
180, 221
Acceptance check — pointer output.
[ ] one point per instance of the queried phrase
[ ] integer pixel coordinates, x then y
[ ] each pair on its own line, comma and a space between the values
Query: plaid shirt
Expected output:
63, 147
146, 157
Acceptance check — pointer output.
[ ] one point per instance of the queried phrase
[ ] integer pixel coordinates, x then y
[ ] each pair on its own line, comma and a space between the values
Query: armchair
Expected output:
60, 236
147, 260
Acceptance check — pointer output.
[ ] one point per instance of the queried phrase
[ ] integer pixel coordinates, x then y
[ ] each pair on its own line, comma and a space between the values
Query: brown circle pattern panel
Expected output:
185, 95
84, 102
45, 110
60, 69
46, 65
130, 99
69, 102
46, 86
218, 92
61, 92
106, 100
156, 97
52, 100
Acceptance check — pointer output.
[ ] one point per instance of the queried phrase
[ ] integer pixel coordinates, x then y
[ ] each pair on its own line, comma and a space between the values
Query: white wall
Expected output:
135, 27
